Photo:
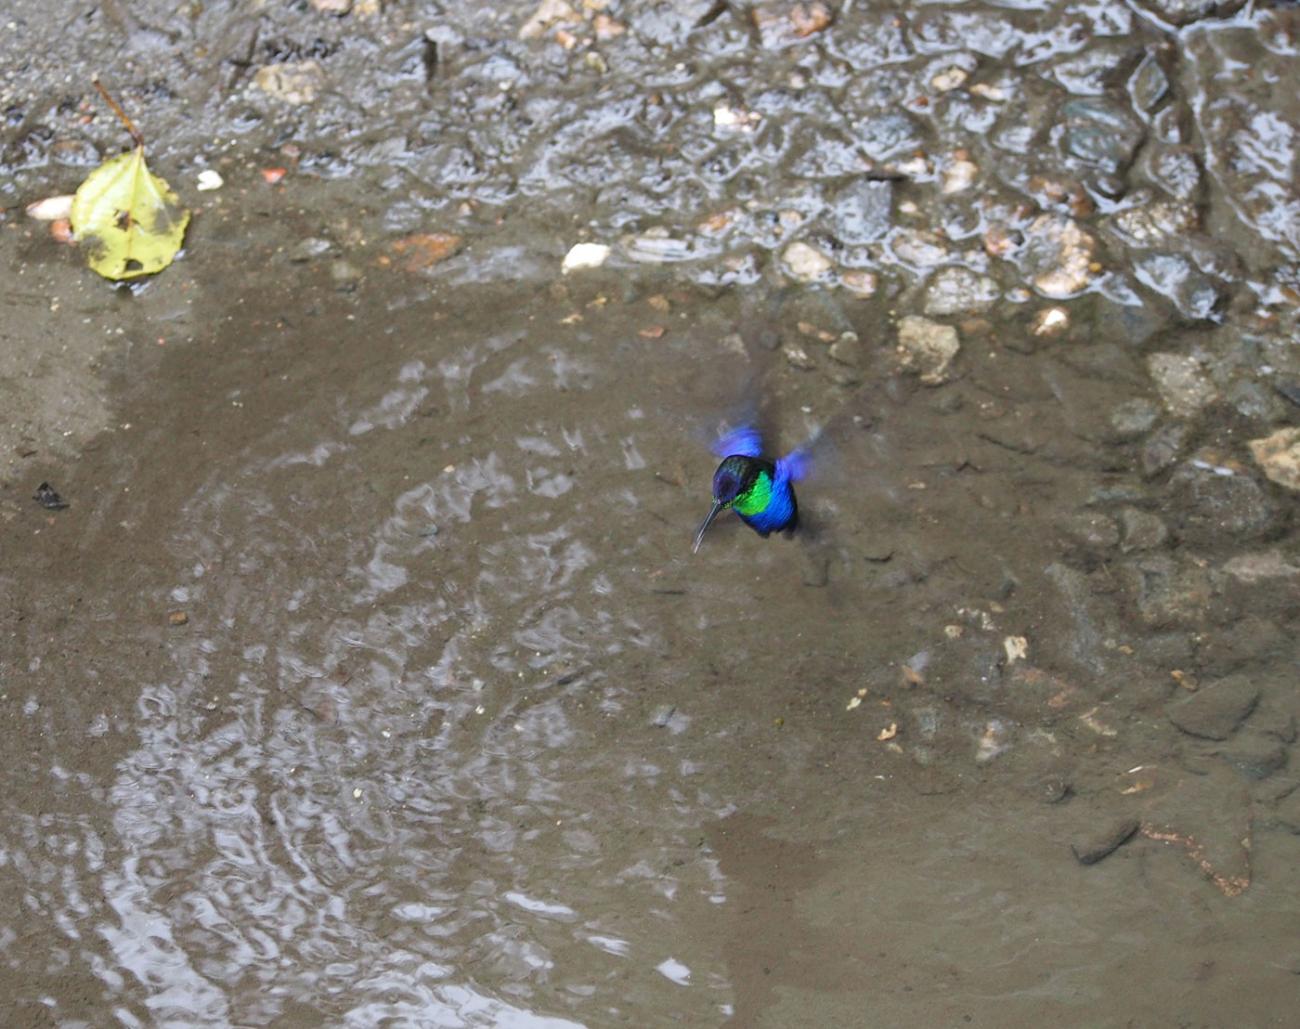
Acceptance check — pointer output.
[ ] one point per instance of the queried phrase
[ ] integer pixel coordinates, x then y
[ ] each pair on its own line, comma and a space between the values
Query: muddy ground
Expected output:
368, 677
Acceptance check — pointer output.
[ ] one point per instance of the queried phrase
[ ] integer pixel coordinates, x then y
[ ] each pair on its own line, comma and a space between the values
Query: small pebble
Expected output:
859, 283
804, 263
51, 208
1096, 845
584, 255
309, 249
1051, 321
949, 79
345, 275
1279, 456
48, 497
798, 357
959, 176
663, 715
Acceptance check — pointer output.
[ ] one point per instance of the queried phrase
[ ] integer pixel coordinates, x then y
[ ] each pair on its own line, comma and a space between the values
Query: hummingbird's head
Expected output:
737, 483
734, 478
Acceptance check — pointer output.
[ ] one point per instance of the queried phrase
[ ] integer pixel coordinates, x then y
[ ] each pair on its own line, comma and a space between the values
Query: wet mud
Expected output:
367, 676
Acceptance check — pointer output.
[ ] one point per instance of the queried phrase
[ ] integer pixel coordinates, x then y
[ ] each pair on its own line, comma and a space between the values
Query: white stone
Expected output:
51, 208
584, 255
927, 346
1279, 456
949, 79
294, 82
805, 263
1061, 254
958, 291
1050, 321
958, 176
1182, 383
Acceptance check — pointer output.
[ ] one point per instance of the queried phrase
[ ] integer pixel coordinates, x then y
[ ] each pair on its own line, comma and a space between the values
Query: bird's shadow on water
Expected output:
765, 946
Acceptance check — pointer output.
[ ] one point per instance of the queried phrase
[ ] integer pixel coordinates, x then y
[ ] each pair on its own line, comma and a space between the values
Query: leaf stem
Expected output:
117, 110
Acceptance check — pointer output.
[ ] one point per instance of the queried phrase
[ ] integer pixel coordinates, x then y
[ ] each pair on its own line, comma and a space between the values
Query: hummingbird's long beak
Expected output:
704, 525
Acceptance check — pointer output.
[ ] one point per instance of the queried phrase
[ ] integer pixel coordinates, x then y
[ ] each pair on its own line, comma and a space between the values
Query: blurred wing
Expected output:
796, 465
800, 463
744, 440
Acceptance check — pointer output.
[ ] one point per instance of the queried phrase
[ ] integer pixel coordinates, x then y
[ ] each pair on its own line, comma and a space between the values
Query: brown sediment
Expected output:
1229, 885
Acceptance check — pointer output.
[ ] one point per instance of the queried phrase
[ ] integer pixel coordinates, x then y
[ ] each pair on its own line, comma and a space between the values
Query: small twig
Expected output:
117, 110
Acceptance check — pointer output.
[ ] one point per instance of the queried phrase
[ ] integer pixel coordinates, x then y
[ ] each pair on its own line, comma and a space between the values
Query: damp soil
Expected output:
368, 677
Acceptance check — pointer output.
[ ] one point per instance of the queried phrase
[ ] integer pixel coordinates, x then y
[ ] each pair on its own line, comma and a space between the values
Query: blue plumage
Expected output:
760, 491
744, 440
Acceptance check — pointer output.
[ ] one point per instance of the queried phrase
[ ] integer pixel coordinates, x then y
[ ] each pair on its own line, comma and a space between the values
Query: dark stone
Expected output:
1167, 593
1174, 169
1133, 418
1085, 620
1270, 719
1255, 756
1216, 507
1092, 70
1162, 448
1101, 133
1127, 319
1142, 530
1250, 641
1287, 812
1255, 401
1288, 387
1052, 789
1093, 846
1195, 295
863, 211
1184, 12
1214, 712
889, 135
1149, 84
1092, 530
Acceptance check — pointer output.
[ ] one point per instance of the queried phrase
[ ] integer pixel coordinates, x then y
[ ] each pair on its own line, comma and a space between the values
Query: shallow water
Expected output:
369, 679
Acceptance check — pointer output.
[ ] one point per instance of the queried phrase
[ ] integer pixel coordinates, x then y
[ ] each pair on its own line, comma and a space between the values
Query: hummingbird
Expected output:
759, 490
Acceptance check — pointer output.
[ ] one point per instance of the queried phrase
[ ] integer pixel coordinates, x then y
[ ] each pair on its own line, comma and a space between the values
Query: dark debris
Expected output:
48, 497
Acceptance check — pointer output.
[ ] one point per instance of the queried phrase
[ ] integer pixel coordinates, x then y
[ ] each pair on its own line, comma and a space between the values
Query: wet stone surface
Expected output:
1103, 841
1215, 711
367, 675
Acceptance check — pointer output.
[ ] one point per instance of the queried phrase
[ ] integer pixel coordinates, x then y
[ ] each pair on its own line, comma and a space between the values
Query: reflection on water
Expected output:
378, 769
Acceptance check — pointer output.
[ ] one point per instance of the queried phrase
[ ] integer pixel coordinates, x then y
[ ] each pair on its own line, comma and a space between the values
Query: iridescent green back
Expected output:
755, 499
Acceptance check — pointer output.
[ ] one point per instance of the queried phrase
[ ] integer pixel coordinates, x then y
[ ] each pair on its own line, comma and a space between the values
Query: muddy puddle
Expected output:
368, 677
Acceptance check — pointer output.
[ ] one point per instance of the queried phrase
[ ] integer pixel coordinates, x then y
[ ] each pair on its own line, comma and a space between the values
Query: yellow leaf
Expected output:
129, 220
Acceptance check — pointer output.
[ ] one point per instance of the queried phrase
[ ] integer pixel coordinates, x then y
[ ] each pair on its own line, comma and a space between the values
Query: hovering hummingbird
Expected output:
760, 491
